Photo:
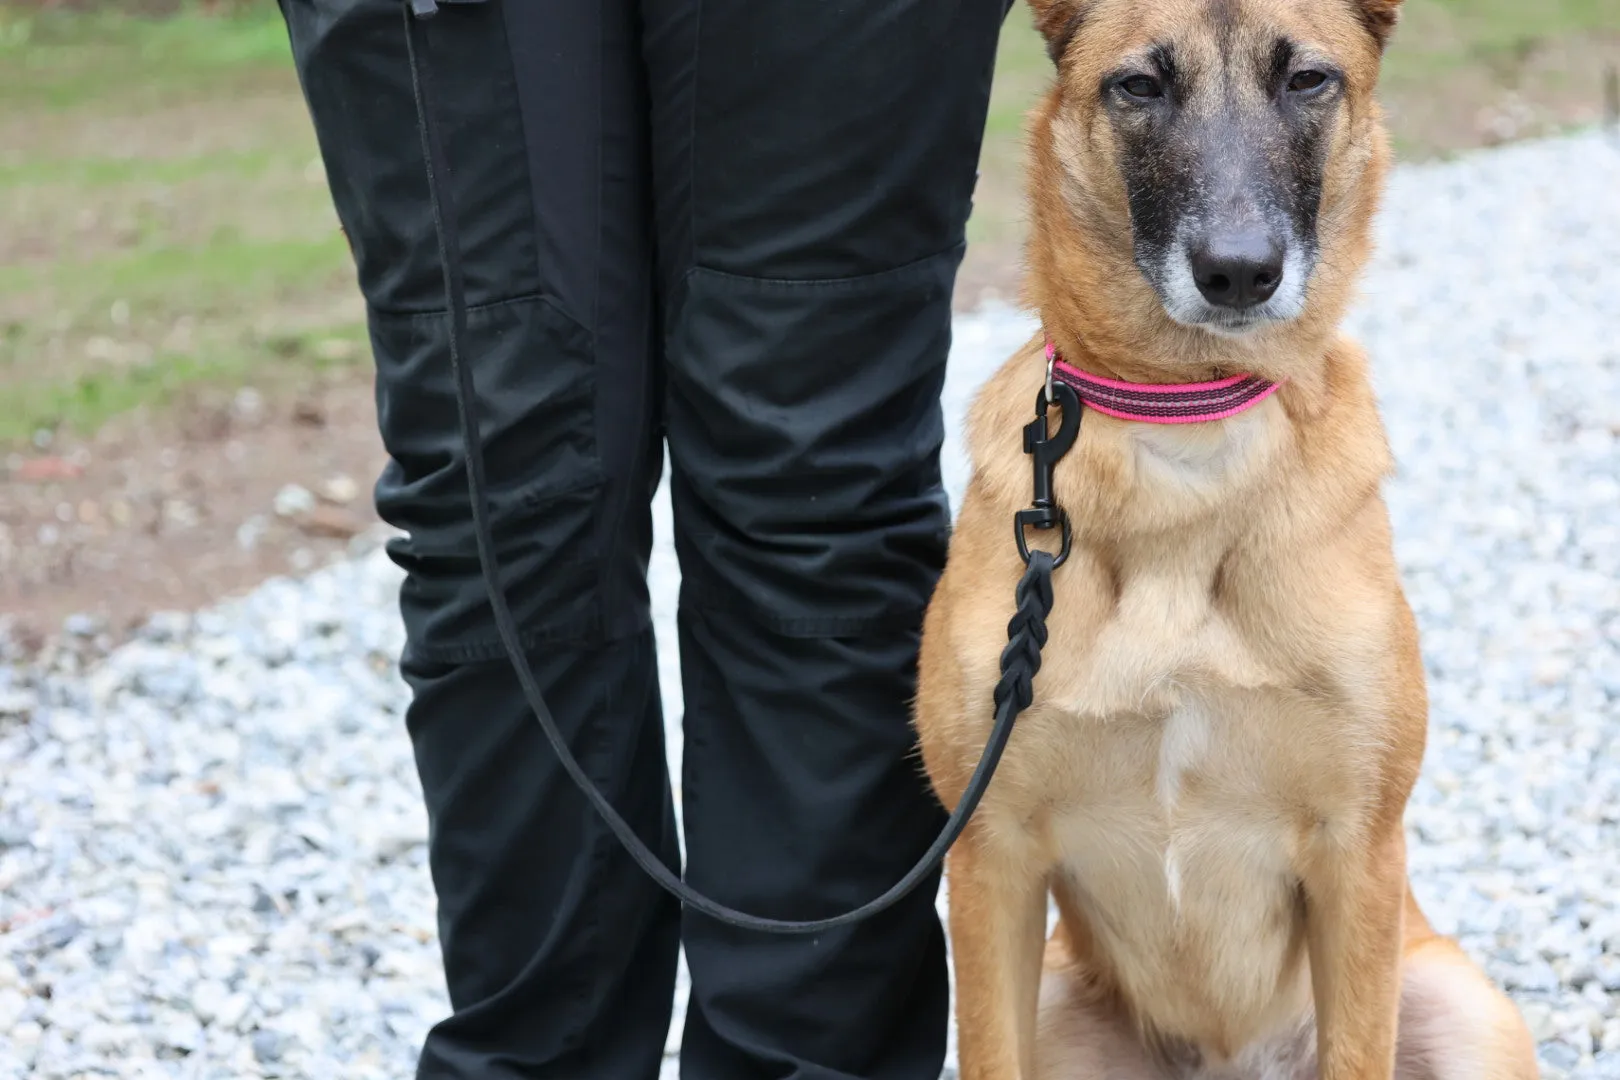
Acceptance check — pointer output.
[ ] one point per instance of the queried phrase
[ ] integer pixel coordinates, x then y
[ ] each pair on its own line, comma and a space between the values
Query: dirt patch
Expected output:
1539, 86
178, 511
260, 112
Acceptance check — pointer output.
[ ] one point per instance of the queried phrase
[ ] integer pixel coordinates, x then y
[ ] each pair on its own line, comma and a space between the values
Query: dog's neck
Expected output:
1184, 357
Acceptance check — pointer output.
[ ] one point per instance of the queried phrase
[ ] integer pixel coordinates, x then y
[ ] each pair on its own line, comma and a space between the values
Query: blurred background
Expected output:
184, 383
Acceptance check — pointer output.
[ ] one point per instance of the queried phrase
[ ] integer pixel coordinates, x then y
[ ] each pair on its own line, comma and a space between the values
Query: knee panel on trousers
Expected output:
804, 429
537, 382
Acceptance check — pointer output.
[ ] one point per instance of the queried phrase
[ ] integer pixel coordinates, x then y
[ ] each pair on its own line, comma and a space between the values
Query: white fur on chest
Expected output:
1201, 460
1183, 746
1187, 787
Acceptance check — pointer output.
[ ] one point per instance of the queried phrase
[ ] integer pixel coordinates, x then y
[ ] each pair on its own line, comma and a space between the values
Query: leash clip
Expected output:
1046, 449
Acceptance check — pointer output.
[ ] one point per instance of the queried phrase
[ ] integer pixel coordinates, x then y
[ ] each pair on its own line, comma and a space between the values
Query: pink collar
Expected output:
1156, 403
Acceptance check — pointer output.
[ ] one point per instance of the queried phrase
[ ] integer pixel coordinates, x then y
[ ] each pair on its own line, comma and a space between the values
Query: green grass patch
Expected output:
241, 306
228, 273
1483, 26
1490, 38
1023, 70
201, 251
87, 401
55, 59
89, 173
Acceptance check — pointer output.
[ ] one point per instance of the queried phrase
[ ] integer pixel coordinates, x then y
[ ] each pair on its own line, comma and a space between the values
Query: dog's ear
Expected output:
1058, 21
1380, 17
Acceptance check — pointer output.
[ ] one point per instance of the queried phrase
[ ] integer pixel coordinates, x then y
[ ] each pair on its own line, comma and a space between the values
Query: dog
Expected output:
1231, 710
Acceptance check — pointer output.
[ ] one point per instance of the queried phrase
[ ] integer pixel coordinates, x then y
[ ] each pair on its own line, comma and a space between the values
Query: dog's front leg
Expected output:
998, 930
1353, 909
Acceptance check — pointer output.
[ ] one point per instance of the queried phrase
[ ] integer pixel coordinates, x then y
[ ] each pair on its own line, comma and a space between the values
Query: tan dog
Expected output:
1231, 712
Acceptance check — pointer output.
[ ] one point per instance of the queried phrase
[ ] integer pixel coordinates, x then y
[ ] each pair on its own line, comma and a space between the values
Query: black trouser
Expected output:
738, 232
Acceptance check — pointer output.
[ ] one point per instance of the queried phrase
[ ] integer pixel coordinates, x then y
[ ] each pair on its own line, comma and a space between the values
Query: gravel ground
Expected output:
211, 849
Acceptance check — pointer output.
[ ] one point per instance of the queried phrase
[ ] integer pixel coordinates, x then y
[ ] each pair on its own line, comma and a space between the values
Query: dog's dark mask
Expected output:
1223, 144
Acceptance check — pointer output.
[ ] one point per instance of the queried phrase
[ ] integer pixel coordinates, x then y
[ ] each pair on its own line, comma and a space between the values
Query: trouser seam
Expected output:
956, 247
588, 633
599, 850
709, 600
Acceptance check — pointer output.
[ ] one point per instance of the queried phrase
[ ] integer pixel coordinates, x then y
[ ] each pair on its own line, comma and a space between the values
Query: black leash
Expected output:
1026, 632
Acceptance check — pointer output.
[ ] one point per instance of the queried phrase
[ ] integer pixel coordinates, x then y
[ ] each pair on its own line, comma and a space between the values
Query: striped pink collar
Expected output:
1154, 403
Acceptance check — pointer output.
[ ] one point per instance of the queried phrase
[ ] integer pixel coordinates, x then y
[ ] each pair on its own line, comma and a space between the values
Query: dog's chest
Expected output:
1182, 854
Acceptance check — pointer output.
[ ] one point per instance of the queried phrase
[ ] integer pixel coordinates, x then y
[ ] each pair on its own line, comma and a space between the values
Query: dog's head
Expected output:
1229, 150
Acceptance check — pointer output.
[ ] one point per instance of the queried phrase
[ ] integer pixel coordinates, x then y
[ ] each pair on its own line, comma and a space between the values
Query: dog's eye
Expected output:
1141, 86
1306, 81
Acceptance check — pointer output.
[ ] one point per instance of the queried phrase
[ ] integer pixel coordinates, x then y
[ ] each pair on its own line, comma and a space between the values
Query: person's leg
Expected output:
814, 164
559, 953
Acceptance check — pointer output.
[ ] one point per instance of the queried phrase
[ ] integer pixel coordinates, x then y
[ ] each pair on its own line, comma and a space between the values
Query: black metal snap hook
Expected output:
1046, 449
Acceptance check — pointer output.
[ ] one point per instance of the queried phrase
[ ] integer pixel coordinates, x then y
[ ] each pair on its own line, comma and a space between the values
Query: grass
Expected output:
1482, 26
62, 60
164, 220
1023, 72
1458, 69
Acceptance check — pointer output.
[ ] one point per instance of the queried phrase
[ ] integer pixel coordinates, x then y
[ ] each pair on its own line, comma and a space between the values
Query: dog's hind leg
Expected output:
998, 924
1454, 1024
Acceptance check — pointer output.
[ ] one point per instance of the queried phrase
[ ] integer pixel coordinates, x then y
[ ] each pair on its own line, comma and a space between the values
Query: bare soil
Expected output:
178, 511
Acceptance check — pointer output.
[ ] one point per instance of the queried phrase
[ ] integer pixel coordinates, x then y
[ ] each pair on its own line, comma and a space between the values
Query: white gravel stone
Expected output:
293, 500
212, 849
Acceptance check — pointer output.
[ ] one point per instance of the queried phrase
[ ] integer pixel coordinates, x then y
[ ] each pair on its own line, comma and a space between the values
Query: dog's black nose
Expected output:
1238, 270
